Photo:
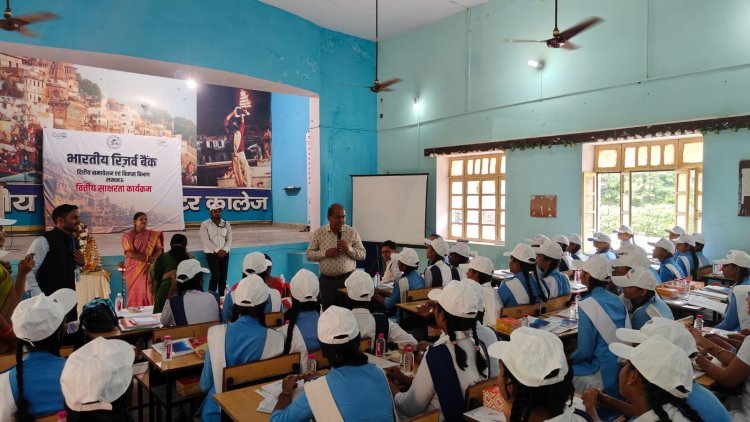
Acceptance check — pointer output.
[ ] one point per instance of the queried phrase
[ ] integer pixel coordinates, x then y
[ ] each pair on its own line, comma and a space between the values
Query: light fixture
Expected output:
191, 83
535, 63
416, 106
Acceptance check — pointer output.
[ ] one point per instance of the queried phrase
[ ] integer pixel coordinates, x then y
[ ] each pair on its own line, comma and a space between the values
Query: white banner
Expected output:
112, 176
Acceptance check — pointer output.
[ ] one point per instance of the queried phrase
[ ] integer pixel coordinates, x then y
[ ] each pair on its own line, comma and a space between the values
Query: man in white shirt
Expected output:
388, 248
216, 236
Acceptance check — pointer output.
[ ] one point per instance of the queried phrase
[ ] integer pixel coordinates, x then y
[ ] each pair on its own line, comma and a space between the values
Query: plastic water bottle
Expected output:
377, 279
698, 323
525, 320
380, 345
167, 348
407, 360
574, 309
62, 416
311, 365
118, 302
577, 275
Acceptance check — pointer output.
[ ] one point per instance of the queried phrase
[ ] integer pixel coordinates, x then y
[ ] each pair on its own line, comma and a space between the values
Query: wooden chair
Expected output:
417, 294
431, 416
702, 272
556, 304
7, 361
364, 347
687, 321
254, 372
474, 393
48, 418
519, 311
66, 351
274, 319
187, 331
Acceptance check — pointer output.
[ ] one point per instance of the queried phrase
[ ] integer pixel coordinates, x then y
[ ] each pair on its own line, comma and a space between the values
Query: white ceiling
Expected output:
357, 17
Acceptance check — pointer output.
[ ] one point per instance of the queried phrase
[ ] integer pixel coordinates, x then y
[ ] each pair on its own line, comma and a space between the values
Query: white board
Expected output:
390, 207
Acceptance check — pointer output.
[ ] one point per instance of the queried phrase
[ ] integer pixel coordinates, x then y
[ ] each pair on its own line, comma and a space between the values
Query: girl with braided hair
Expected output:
522, 289
552, 283
305, 312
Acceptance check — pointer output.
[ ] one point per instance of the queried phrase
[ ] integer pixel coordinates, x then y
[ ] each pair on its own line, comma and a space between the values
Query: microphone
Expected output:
339, 234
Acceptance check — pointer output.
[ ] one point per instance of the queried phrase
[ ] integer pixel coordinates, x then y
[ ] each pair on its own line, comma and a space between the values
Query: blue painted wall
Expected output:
289, 159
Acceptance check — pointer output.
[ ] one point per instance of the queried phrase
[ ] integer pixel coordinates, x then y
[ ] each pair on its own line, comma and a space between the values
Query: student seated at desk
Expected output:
675, 232
625, 235
96, 382
190, 305
639, 290
458, 257
700, 243
566, 261
574, 247
360, 290
303, 317
245, 339
485, 334
535, 381
480, 273
631, 259
685, 256
254, 263
552, 283
704, 402
669, 269
32, 387
736, 266
438, 273
353, 390
603, 245
408, 261
457, 360
600, 313
522, 289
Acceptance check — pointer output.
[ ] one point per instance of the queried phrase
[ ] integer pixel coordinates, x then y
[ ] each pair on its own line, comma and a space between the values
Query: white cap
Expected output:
601, 237
305, 286
457, 299
550, 249
523, 252
337, 325
676, 230
537, 240
661, 363
408, 256
699, 238
636, 277
188, 269
738, 258
482, 264
97, 374
685, 238
39, 317
359, 286
597, 266
672, 331
7, 222
478, 292
255, 262
439, 245
628, 247
535, 357
663, 243
561, 239
631, 259
251, 291
624, 229
575, 238
462, 249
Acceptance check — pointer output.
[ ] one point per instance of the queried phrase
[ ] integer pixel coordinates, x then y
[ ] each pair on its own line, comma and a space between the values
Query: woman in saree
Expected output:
142, 247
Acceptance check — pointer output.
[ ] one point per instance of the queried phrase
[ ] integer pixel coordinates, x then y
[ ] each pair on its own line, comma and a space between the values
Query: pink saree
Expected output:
148, 242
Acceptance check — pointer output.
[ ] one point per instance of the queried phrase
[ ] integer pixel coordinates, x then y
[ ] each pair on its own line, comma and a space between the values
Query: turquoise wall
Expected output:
291, 114
650, 61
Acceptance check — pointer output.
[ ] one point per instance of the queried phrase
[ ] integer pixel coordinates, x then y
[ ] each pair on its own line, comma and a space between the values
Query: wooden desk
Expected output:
180, 364
720, 278
130, 336
417, 308
706, 381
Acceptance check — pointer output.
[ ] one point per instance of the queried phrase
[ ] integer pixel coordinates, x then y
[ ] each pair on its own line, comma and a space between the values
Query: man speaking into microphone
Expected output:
337, 248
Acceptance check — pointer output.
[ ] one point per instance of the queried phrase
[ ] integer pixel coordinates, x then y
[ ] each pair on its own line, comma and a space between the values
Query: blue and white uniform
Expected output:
555, 284
274, 304
731, 320
670, 270
307, 326
702, 260
516, 291
654, 307
361, 393
439, 274
413, 281
685, 261
41, 386
705, 403
608, 254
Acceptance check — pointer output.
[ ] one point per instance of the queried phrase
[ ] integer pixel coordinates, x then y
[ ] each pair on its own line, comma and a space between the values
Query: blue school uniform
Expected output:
607, 254
705, 403
415, 282
654, 307
702, 260
685, 261
307, 323
226, 312
731, 320
593, 352
41, 382
511, 290
555, 284
361, 393
670, 270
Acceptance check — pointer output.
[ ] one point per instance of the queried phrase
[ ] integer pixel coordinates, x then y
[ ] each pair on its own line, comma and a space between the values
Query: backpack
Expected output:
98, 316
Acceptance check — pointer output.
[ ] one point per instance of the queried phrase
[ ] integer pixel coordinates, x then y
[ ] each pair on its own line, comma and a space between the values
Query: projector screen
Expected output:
390, 207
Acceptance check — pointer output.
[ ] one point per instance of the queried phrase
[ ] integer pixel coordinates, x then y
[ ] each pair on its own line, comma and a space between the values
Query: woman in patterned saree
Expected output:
142, 247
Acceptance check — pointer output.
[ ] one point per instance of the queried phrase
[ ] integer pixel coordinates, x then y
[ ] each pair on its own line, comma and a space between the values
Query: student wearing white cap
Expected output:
522, 288
190, 305
408, 261
631, 259
700, 243
96, 381
485, 334
254, 263
458, 257
736, 266
574, 247
360, 289
535, 381
537, 241
669, 269
438, 273
704, 402
303, 317
600, 314
457, 360
566, 262
685, 256
639, 288
625, 234
32, 387
480, 273
603, 245
675, 232
245, 339
353, 390
552, 283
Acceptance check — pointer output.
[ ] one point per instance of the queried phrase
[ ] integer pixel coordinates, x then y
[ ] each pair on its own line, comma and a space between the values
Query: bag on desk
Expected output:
98, 316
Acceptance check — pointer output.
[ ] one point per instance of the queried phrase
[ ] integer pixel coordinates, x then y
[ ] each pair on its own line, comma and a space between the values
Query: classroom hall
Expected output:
488, 124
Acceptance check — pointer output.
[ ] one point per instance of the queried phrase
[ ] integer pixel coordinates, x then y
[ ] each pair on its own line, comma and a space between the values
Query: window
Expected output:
649, 186
477, 197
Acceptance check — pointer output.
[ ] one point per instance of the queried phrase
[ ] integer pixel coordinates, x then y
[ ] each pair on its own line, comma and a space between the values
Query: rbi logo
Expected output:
59, 135
114, 142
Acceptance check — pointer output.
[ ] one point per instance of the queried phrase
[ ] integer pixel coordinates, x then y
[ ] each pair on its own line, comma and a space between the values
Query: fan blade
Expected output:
570, 46
572, 32
36, 17
389, 82
512, 41
26, 31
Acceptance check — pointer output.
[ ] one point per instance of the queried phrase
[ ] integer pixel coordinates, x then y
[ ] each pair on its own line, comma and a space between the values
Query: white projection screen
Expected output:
390, 207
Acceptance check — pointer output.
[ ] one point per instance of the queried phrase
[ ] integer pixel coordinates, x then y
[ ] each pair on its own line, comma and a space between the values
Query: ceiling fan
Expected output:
562, 39
19, 23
